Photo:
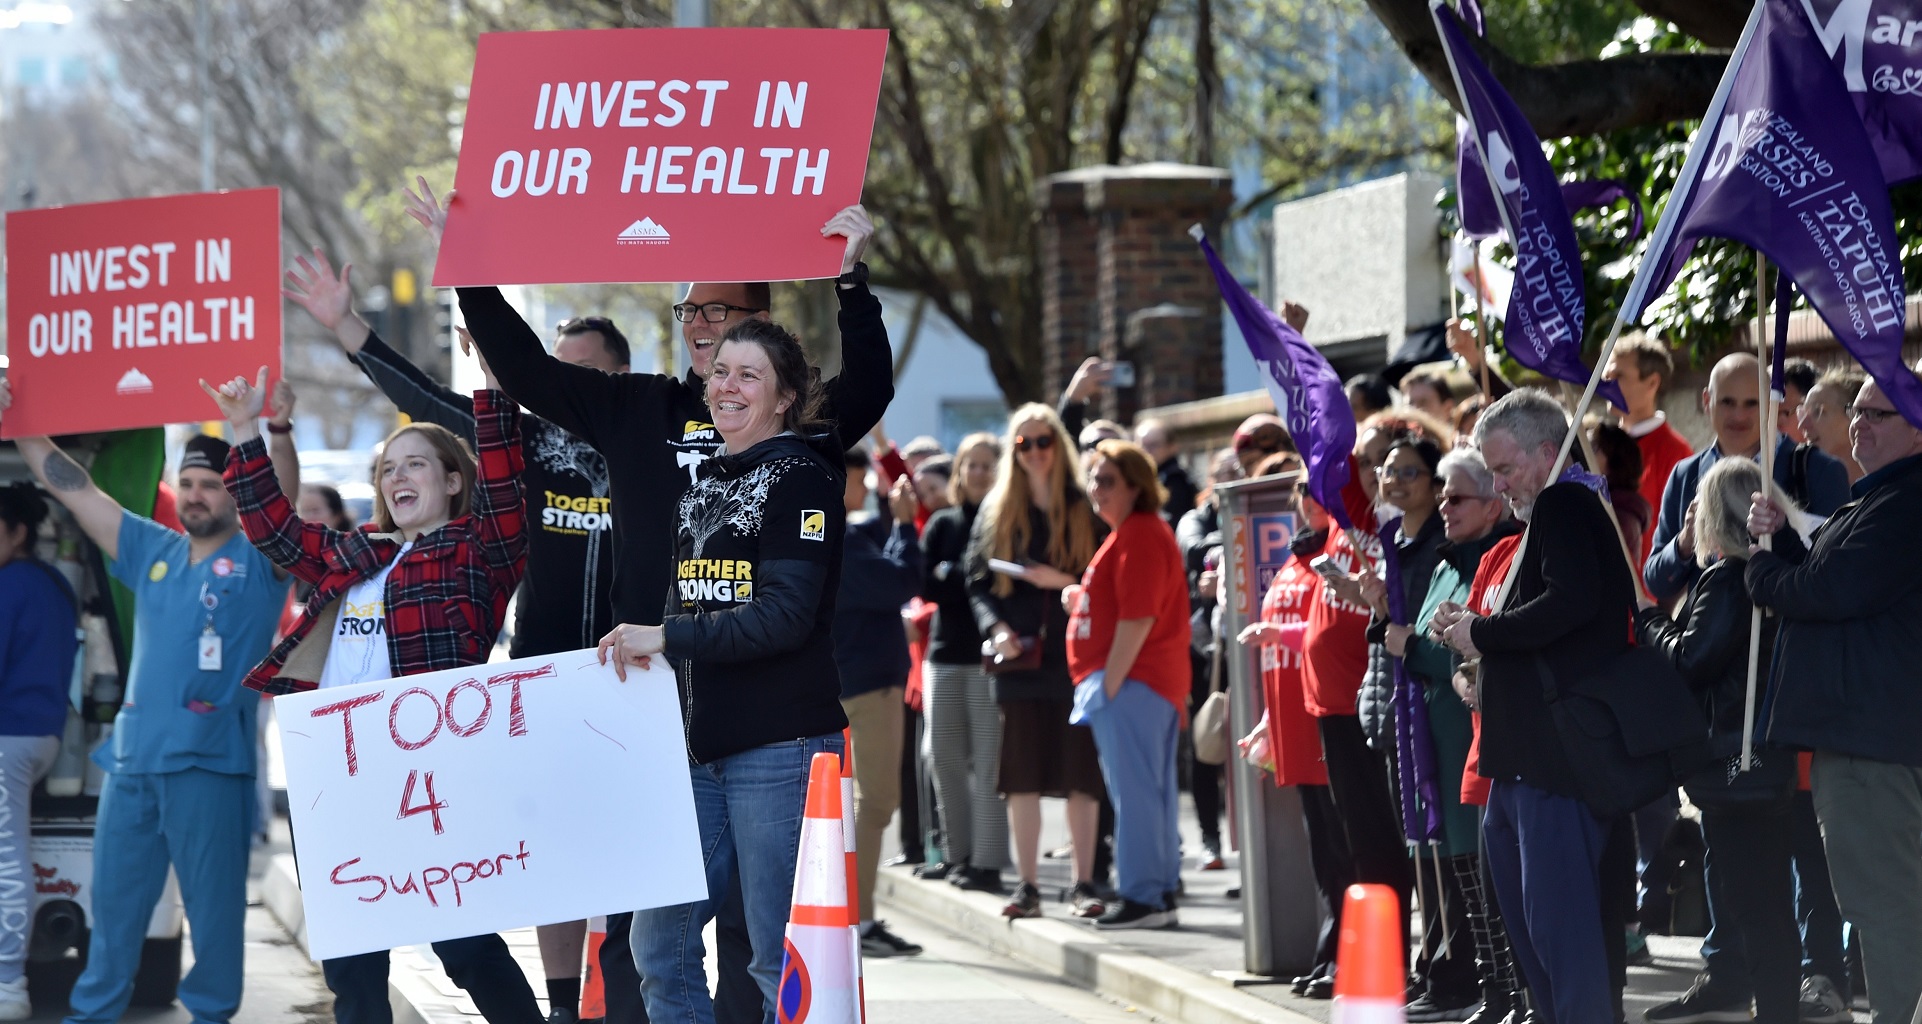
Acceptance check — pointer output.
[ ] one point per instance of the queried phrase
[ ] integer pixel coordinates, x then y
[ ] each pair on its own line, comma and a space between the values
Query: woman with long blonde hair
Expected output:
1038, 527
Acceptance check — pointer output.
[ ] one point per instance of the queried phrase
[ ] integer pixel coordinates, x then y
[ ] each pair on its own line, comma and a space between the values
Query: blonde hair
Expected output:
1005, 511
1721, 522
957, 492
455, 458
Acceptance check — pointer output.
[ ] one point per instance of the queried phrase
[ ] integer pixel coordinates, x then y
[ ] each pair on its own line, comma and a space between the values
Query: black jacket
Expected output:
880, 572
1845, 675
750, 616
1181, 490
654, 430
954, 638
1571, 606
1708, 642
1029, 609
562, 604
1418, 557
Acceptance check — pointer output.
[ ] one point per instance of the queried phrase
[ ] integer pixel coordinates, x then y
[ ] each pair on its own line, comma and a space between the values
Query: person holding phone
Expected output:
1038, 526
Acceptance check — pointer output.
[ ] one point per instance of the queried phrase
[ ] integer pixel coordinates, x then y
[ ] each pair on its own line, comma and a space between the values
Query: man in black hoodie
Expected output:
653, 430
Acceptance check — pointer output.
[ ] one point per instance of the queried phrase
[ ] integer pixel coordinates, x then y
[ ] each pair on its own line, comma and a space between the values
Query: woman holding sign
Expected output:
757, 561
444, 552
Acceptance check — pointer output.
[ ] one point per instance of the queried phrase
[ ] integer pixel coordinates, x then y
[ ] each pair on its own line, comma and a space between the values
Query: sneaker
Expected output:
915, 859
1174, 912
14, 1004
936, 871
563, 1015
1701, 1004
1026, 902
879, 943
1211, 855
1638, 951
1086, 903
978, 880
1821, 1003
1428, 1008
1128, 914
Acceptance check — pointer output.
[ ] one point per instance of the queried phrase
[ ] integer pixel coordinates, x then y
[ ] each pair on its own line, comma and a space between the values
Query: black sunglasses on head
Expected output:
1042, 443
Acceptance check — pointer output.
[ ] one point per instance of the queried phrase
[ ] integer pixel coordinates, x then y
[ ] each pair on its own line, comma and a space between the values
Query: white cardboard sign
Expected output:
482, 799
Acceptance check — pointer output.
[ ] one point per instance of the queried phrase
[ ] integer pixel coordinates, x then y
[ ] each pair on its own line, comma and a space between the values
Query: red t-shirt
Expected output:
1336, 651
1661, 448
1481, 594
1137, 574
1292, 736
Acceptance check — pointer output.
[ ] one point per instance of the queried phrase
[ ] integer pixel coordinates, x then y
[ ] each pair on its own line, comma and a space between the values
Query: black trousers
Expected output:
480, 965
737, 999
1334, 870
1752, 899
1204, 780
1358, 781
913, 830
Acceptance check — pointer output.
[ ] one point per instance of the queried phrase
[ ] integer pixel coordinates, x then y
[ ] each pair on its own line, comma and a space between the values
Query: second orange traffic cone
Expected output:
819, 961
1370, 985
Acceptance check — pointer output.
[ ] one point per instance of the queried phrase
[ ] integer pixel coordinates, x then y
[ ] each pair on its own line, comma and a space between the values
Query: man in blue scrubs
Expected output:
180, 760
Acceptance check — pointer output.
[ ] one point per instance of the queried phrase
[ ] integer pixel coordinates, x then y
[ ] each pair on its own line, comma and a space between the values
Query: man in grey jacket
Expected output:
1845, 687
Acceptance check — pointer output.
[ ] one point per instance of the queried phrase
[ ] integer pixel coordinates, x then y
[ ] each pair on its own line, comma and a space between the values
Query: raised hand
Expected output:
313, 285
853, 223
240, 402
430, 211
468, 348
282, 402
1088, 377
902, 501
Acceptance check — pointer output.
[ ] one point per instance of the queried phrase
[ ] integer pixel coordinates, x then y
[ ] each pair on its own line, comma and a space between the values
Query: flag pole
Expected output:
1481, 317
1764, 358
1665, 229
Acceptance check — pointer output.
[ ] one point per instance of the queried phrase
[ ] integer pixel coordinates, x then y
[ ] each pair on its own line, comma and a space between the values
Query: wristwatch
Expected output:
859, 275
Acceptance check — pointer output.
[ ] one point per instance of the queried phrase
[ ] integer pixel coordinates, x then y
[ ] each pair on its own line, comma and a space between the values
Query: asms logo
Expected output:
643, 232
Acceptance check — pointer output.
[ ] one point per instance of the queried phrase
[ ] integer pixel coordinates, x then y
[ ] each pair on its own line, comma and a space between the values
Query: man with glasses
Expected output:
654, 430
1843, 686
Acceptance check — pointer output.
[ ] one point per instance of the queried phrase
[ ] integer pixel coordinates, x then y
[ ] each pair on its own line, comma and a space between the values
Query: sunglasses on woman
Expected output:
1041, 443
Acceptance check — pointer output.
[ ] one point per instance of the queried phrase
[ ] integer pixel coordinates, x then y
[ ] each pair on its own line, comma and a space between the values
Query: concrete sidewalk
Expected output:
1190, 973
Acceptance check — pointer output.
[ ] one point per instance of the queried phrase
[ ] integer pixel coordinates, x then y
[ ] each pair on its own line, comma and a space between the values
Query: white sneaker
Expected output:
13, 1000
1821, 1003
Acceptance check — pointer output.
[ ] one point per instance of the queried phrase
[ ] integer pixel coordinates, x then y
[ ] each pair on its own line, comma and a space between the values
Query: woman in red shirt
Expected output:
1128, 654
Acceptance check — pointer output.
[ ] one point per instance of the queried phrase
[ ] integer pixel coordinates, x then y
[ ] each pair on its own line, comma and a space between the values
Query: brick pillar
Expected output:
1153, 302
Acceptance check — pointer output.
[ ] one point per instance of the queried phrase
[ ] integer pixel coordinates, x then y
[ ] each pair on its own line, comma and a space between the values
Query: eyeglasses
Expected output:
1857, 412
1266, 447
1406, 474
1041, 443
712, 312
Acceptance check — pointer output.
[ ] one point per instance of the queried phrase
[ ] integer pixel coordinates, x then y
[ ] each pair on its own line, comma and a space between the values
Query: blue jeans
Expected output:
1136, 732
764, 791
200, 822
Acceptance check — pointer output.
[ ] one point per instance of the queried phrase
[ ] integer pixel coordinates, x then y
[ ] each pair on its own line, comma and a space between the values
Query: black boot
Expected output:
1497, 1004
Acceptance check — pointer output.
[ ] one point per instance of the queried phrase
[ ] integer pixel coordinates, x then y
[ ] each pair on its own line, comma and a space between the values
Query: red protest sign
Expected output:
116, 310
632, 155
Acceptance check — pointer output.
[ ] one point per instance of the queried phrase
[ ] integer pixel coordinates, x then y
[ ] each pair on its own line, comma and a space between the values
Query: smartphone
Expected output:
1123, 375
1326, 568
1006, 568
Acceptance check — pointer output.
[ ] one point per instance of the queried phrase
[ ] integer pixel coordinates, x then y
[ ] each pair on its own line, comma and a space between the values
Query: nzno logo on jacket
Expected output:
813, 524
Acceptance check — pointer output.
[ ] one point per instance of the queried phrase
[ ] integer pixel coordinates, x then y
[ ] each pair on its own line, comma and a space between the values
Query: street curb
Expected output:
414, 999
1080, 955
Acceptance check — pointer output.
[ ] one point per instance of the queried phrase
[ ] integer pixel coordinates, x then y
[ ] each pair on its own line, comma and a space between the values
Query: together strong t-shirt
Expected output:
1137, 574
357, 652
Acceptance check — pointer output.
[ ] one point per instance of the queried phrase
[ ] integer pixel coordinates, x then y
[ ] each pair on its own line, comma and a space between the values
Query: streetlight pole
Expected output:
203, 32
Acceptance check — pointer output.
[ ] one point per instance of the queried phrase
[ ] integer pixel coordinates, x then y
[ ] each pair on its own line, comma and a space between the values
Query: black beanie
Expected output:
205, 451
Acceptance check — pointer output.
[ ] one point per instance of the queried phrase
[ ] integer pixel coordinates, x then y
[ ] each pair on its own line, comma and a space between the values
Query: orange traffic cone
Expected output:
848, 840
819, 983
593, 989
1369, 982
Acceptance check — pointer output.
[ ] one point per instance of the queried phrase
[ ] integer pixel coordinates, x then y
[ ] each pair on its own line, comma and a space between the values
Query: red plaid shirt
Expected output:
445, 600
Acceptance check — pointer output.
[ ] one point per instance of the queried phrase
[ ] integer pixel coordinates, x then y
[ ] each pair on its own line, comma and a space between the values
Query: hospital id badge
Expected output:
210, 651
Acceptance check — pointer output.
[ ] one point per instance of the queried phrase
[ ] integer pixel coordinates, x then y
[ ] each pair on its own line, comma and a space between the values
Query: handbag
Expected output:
1029, 660
1210, 727
1722, 786
1630, 729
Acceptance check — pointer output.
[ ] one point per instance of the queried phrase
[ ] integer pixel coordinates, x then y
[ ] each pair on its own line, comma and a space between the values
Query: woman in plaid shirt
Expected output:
422, 588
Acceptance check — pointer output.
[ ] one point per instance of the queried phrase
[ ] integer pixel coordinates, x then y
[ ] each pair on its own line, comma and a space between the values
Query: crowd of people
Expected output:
1038, 614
